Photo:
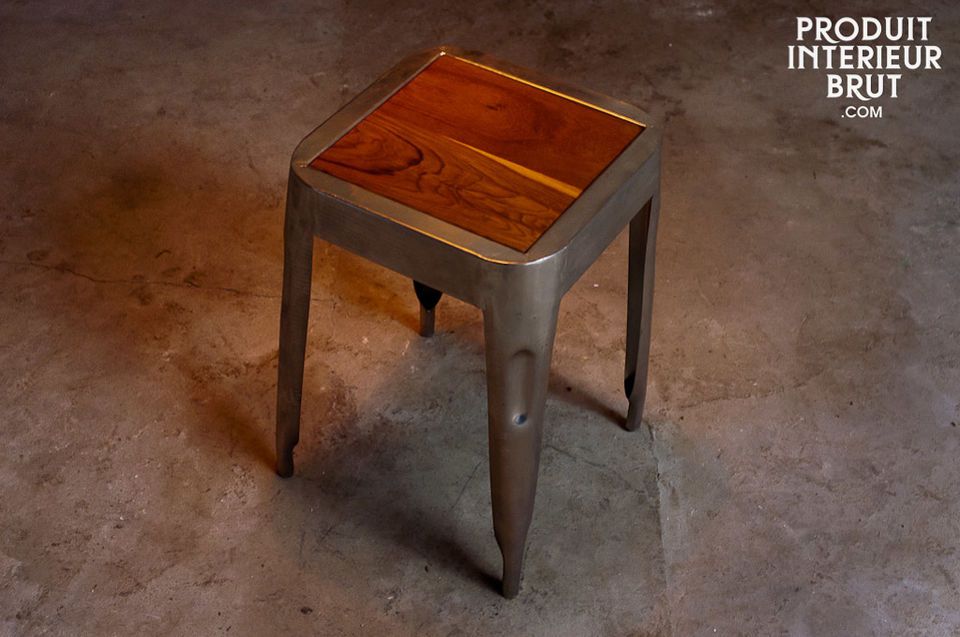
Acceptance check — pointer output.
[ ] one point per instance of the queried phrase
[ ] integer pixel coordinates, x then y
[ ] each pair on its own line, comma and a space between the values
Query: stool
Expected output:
500, 187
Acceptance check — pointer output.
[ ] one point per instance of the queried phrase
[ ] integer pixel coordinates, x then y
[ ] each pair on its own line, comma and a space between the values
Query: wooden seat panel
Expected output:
480, 150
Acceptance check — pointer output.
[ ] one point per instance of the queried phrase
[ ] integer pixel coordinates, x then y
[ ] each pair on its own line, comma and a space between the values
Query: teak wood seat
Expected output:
500, 187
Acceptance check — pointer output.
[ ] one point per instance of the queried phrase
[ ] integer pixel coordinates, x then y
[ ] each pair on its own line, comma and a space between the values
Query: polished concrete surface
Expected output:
800, 473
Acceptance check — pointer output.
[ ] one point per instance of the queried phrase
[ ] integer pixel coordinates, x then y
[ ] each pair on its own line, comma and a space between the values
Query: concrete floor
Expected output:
805, 383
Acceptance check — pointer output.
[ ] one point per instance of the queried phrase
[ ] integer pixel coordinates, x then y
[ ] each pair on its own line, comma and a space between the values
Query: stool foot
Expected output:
285, 463
427, 321
643, 233
512, 570
428, 298
519, 343
634, 414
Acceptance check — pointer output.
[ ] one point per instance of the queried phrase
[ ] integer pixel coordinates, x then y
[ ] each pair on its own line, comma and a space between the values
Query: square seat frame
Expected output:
518, 292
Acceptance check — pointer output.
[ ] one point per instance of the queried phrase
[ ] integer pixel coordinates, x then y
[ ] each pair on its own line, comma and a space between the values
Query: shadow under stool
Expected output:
500, 187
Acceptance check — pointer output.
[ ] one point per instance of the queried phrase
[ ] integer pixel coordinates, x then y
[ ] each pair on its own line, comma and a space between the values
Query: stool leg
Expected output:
643, 237
294, 314
428, 298
519, 345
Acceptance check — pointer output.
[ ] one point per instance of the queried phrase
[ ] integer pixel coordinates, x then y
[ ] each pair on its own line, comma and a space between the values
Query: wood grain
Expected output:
480, 150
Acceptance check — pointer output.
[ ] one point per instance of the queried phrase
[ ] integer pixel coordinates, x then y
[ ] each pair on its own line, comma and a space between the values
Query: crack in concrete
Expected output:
601, 468
64, 269
464, 487
667, 607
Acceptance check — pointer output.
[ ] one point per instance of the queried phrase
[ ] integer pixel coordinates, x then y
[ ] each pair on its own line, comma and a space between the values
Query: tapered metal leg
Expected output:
428, 298
519, 344
643, 236
294, 314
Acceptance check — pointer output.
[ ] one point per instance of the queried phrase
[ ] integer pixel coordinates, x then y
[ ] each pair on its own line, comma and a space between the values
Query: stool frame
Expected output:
518, 292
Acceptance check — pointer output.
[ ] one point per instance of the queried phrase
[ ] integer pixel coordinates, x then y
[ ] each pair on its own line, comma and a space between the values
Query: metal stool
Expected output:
496, 186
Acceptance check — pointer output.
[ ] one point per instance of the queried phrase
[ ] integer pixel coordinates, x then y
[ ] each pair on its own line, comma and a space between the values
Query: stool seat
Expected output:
498, 186
479, 149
